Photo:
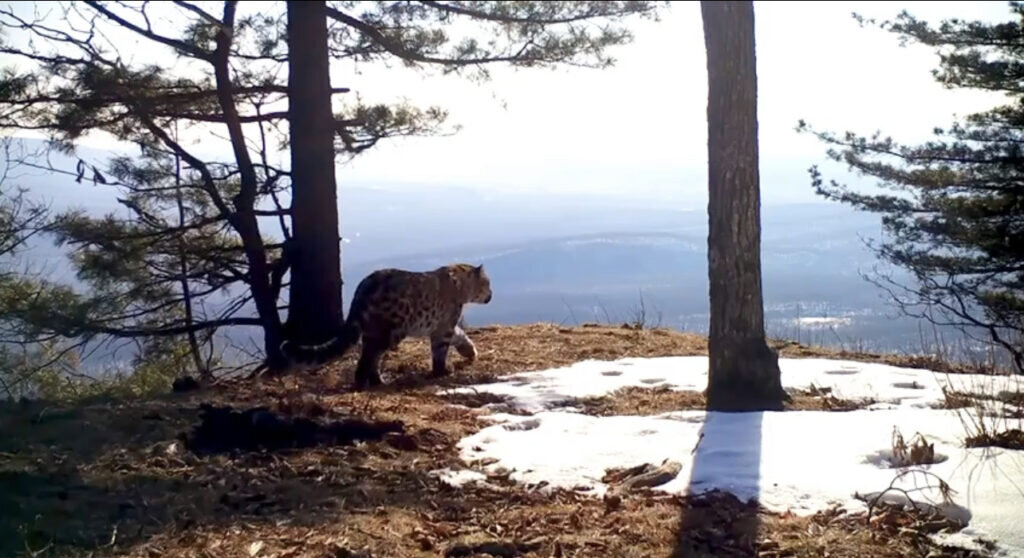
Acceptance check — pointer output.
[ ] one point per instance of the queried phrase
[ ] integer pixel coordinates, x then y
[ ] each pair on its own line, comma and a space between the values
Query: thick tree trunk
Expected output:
744, 371
314, 311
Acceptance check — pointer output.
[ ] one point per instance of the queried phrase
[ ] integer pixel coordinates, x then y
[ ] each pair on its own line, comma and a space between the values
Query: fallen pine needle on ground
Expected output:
120, 478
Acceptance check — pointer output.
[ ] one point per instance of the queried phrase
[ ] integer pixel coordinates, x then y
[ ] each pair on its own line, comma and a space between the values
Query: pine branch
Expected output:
171, 331
398, 49
594, 10
180, 46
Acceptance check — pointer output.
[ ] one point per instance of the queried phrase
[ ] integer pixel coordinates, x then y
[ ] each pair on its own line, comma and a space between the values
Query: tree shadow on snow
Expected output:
727, 461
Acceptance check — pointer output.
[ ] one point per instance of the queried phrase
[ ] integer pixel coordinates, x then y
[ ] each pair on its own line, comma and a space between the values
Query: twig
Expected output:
944, 489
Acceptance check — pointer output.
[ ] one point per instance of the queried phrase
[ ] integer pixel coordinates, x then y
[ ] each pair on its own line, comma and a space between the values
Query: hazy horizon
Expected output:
550, 158
568, 259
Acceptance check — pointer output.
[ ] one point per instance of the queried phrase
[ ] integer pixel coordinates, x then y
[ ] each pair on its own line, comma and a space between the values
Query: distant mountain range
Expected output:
812, 260
566, 259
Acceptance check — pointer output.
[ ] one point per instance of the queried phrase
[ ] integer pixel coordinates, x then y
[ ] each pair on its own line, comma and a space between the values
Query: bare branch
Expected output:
206, 16
180, 46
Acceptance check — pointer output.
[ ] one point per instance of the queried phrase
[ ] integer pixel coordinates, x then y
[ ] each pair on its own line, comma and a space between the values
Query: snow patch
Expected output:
527, 424
822, 321
886, 459
459, 477
802, 461
902, 387
949, 510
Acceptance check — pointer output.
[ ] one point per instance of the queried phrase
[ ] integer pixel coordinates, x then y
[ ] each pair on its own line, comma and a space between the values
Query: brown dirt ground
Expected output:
108, 478
661, 399
507, 349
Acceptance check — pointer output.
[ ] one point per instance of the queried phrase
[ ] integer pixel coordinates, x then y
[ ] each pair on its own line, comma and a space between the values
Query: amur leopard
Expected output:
390, 305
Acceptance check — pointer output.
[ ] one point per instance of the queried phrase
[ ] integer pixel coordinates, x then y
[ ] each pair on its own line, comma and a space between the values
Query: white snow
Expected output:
459, 477
889, 385
822, 321
801, 461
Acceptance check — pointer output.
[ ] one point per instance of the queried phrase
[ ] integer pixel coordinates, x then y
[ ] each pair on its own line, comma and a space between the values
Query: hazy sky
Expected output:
640, 128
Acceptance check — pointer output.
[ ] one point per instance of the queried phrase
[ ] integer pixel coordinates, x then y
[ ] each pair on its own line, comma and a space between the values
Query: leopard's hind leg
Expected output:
368, 368
464, 345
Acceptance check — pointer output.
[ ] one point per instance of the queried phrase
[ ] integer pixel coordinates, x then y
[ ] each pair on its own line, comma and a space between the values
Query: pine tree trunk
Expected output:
744, 371
203, 371
314, 311
243, 219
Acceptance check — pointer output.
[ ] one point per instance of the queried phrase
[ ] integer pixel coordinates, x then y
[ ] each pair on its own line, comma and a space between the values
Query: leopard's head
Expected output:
471, 281
481, 285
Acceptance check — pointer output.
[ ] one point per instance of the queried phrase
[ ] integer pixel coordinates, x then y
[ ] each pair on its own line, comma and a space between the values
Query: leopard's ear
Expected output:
479, 269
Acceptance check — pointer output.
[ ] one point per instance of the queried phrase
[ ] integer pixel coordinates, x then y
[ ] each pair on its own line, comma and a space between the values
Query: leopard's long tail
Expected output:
350, 333
347, 336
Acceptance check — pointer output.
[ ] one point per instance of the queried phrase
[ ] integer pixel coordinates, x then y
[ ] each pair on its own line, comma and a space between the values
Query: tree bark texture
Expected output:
314, 311
744, 372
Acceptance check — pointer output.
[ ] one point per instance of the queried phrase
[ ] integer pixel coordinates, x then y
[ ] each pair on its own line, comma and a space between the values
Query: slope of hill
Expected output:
127, 478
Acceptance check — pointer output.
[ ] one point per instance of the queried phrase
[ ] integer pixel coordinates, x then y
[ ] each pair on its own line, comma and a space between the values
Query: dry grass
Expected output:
112, 478
508, 349
791, 349
662, 399
990, 417
720, 525
1009, 439
958, 399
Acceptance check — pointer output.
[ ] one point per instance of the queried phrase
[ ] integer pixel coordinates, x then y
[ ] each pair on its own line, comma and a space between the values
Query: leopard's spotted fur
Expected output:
392, 304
